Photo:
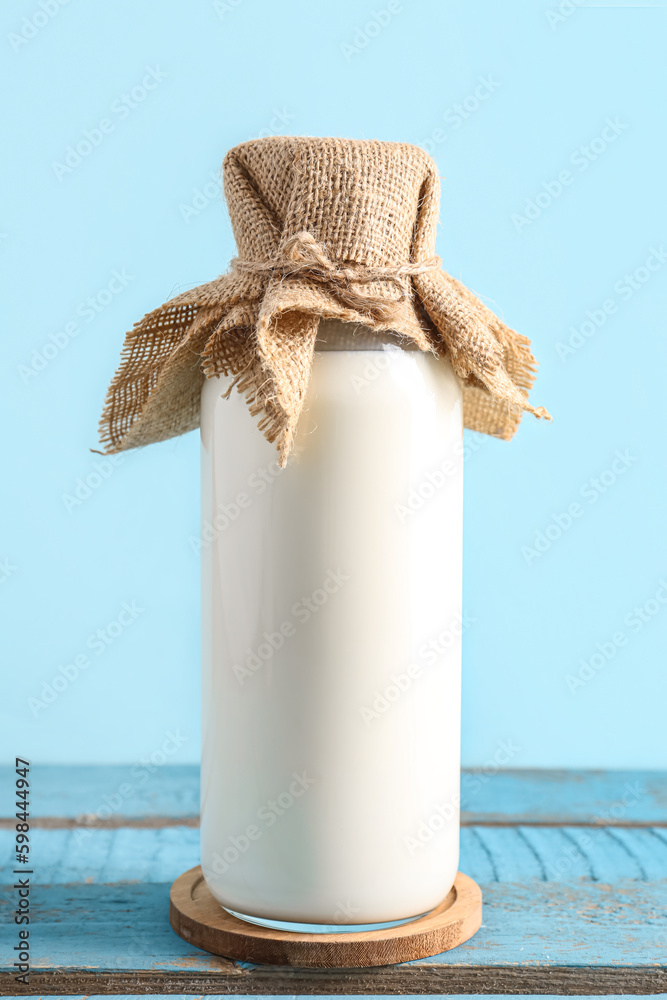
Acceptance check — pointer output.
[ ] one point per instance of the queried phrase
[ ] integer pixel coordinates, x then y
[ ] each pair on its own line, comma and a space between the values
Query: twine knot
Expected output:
301, 255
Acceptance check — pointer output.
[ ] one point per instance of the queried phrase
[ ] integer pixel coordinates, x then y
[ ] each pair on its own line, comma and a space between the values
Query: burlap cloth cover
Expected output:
336, 228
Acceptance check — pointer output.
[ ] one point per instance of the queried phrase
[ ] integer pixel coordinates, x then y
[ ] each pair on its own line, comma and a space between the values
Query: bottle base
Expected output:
298, 928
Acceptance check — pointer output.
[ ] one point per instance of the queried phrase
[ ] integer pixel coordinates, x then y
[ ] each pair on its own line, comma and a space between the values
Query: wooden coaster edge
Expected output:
207, 925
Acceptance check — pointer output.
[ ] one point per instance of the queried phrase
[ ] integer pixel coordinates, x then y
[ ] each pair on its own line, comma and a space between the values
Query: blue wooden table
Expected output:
573, 867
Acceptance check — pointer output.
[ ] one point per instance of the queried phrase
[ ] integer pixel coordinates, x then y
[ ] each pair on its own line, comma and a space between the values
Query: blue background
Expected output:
233, 71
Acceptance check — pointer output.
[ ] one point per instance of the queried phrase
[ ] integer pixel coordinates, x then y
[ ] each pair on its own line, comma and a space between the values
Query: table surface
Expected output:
572, 865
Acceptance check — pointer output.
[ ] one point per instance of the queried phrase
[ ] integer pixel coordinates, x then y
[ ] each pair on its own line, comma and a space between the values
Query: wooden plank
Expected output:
92, 822
107, 791
530, 797
266, 996
105, 856
392, 981
488, 854
516, 797
589, 925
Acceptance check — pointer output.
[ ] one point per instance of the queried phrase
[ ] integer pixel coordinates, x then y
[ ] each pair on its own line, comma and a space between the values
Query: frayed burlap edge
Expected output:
326, 228
266, 348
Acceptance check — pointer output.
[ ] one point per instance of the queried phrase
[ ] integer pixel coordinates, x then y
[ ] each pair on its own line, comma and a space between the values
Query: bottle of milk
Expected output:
331, 602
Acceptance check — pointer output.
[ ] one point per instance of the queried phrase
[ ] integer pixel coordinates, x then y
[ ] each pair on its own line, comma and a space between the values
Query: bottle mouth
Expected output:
334, 335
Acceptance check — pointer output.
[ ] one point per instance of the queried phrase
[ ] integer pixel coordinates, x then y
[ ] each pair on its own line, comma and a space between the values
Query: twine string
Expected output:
302, 256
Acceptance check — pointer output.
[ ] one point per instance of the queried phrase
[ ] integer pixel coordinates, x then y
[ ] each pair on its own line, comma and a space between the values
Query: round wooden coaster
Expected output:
199, 918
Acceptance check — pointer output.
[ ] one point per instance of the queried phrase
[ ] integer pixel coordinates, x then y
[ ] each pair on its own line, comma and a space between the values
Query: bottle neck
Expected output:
333, 335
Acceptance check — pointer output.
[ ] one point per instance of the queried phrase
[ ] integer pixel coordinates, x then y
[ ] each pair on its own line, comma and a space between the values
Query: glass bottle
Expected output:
331, 642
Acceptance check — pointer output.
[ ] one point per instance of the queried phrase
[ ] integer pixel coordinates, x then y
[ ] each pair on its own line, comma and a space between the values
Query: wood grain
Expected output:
92, 793
195, 994
109, 929
488, 854
402, 980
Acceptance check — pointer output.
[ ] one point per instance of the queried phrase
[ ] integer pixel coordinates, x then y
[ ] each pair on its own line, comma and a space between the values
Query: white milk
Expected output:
331, 599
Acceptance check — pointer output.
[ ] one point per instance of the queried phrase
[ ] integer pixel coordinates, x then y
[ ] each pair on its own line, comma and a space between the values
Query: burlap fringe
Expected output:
326, 228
